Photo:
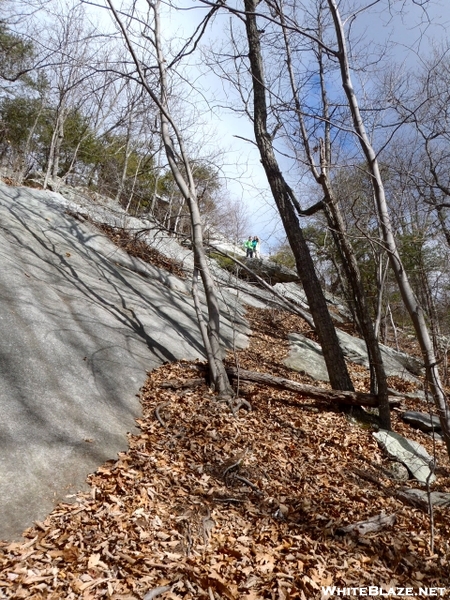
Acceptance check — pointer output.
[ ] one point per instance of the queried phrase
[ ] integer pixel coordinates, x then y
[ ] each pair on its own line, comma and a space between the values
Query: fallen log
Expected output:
341, 397
372, 525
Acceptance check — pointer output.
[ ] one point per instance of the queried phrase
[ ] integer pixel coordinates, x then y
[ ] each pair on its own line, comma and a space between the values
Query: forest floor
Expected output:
207, 505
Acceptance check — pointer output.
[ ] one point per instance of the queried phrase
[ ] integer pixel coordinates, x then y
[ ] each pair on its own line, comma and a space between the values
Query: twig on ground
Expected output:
247, 482
158, 415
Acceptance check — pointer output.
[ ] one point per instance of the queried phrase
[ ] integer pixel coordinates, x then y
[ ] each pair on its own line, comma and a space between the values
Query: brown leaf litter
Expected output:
220, 507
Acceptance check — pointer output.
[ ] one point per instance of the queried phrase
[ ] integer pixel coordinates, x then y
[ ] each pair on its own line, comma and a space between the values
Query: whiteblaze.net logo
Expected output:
375, 591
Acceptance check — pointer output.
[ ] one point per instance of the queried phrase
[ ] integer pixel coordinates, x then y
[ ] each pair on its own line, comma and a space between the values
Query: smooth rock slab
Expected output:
437, 498
412, 454
422, 421
306, 356
81, 323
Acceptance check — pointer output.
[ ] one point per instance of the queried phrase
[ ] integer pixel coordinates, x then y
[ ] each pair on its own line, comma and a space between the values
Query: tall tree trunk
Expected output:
409, 298
185, 183
283, 195
338, 231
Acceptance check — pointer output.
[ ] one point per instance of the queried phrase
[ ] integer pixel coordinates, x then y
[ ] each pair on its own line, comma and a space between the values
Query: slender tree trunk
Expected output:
334, 358
123, 176
336, 224
409, 298
51, 158
26, 151
185, 183
58, 143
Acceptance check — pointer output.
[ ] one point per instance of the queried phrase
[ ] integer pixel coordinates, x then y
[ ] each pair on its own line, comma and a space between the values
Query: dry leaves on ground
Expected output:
221, 507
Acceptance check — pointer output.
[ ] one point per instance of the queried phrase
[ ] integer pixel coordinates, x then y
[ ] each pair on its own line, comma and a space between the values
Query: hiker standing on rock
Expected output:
255, 245
249, 247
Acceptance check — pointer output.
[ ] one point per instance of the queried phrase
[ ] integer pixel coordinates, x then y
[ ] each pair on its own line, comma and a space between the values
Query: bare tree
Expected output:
181, 168
70, 40
286, 203
410, 300
320, 170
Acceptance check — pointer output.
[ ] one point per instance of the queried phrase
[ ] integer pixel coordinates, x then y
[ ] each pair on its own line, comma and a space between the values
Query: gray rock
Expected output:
395, 363
271, 271
81, 324
306, 356
422, 421
414, 456
398, 471
437, 498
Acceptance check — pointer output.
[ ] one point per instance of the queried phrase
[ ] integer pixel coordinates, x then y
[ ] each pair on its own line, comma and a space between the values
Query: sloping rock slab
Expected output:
414, 456
294, 292
437, 498
306, 356
81, 324
271, 271
395, 363
422, 421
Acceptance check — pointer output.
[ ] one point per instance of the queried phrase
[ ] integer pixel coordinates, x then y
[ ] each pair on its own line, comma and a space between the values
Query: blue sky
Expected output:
410, 35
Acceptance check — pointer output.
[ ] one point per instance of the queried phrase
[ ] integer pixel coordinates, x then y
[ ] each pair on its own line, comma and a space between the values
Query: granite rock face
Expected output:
422, 421
306, 356
410, 453
437, 498
81, 324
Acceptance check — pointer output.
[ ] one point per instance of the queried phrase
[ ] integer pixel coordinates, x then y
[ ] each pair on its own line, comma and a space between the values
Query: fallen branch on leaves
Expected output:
341, 397
158, 410
399, 494
177, 384
370, 526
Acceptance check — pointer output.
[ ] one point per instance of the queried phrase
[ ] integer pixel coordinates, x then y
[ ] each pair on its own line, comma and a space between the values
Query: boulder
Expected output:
306, 356
422, 421
437, 498
410, 453
271, 271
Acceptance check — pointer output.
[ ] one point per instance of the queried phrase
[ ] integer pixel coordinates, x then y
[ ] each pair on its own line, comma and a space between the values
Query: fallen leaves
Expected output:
215, 506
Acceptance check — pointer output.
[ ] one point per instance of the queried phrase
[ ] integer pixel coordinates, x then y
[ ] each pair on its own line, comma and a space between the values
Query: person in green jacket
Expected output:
248, 245
255, 244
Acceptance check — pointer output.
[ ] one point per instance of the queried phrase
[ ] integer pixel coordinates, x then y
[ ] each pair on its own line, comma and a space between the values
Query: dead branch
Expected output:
399, 494
229, 500
341, 397
158, 415
247, 482
370, 526
177, 384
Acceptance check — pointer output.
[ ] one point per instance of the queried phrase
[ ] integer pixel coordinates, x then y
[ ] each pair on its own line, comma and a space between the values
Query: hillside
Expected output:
202, 503
206, 505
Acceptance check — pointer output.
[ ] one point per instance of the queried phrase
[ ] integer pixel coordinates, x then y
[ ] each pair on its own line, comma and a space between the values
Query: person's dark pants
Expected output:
249, 253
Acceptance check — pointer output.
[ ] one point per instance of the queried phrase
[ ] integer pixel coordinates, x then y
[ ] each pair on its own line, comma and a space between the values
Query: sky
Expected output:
409, 33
